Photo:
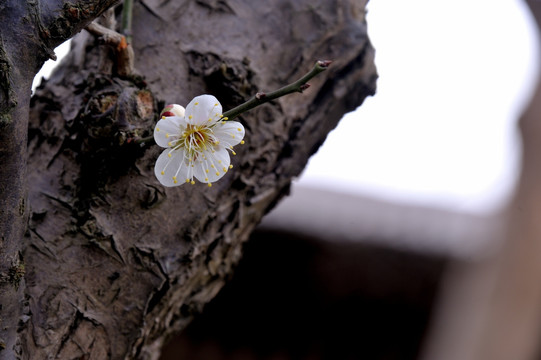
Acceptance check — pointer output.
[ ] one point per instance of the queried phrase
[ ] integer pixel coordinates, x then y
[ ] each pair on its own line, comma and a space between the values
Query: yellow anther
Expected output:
209, 184
157, 129
174, 181
234, 153
210, 119
190, 117
166, 135
219, 115
226, 118
216, 104
212, 166
187, 180
242, 142
239, 129
231, 166
169, 155
196, 103
224, 169
174, 177
170, 143
163, 117
207, 171
206, 179
217, 173
192, 182
163, 172
233, 136
219, 161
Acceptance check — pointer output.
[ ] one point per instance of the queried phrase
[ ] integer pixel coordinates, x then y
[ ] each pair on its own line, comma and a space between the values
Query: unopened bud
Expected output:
172, 110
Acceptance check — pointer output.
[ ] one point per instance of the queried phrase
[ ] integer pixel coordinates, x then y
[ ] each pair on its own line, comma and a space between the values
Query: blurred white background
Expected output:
441, 130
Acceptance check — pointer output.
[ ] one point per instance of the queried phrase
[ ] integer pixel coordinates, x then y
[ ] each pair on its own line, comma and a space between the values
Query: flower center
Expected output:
197, 138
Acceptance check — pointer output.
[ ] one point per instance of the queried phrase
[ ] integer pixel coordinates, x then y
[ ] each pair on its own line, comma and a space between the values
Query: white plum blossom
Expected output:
197, 141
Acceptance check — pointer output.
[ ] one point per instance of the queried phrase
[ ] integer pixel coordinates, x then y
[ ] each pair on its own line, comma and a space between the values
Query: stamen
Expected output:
196, 103
167, 135
226, 118
242, 142
231, 166
209, 184
158, 129
217, 173
192, 182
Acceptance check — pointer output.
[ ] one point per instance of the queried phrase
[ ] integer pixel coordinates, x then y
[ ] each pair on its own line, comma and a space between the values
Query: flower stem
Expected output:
261, 98
297, 86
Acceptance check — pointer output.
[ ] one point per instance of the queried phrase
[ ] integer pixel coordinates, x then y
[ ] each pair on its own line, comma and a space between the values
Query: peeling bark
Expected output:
29, 32
116, 263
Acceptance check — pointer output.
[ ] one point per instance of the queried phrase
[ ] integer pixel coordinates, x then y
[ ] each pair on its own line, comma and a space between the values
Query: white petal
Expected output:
229, 134
168, 129
213, 167
202, 109
171, 166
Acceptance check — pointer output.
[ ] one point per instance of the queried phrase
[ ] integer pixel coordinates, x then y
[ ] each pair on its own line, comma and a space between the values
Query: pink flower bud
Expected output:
172, 110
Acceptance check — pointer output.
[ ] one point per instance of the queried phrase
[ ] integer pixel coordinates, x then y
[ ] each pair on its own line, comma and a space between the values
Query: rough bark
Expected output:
116, 263
29, 32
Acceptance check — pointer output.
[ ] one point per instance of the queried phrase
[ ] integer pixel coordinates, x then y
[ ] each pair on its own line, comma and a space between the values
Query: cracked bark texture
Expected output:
116, 263
29, 31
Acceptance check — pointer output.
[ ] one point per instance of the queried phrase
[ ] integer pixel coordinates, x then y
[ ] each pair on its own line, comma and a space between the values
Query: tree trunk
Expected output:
116, 263
28, 33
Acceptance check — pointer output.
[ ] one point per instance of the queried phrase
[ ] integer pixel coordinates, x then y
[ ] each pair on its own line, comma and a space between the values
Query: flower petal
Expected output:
171, 170
168, 129
213, 166
202, 109
230, 133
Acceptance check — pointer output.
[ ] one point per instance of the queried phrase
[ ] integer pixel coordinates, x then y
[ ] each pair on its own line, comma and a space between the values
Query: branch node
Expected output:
303, 87
324, 63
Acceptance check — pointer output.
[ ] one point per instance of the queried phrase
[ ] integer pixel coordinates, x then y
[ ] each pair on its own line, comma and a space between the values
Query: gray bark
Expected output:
116, 263
28, 33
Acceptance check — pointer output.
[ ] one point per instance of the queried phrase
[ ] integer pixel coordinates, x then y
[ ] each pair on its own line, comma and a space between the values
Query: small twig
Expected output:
261, 97
122, 44
108, 36
127, 10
